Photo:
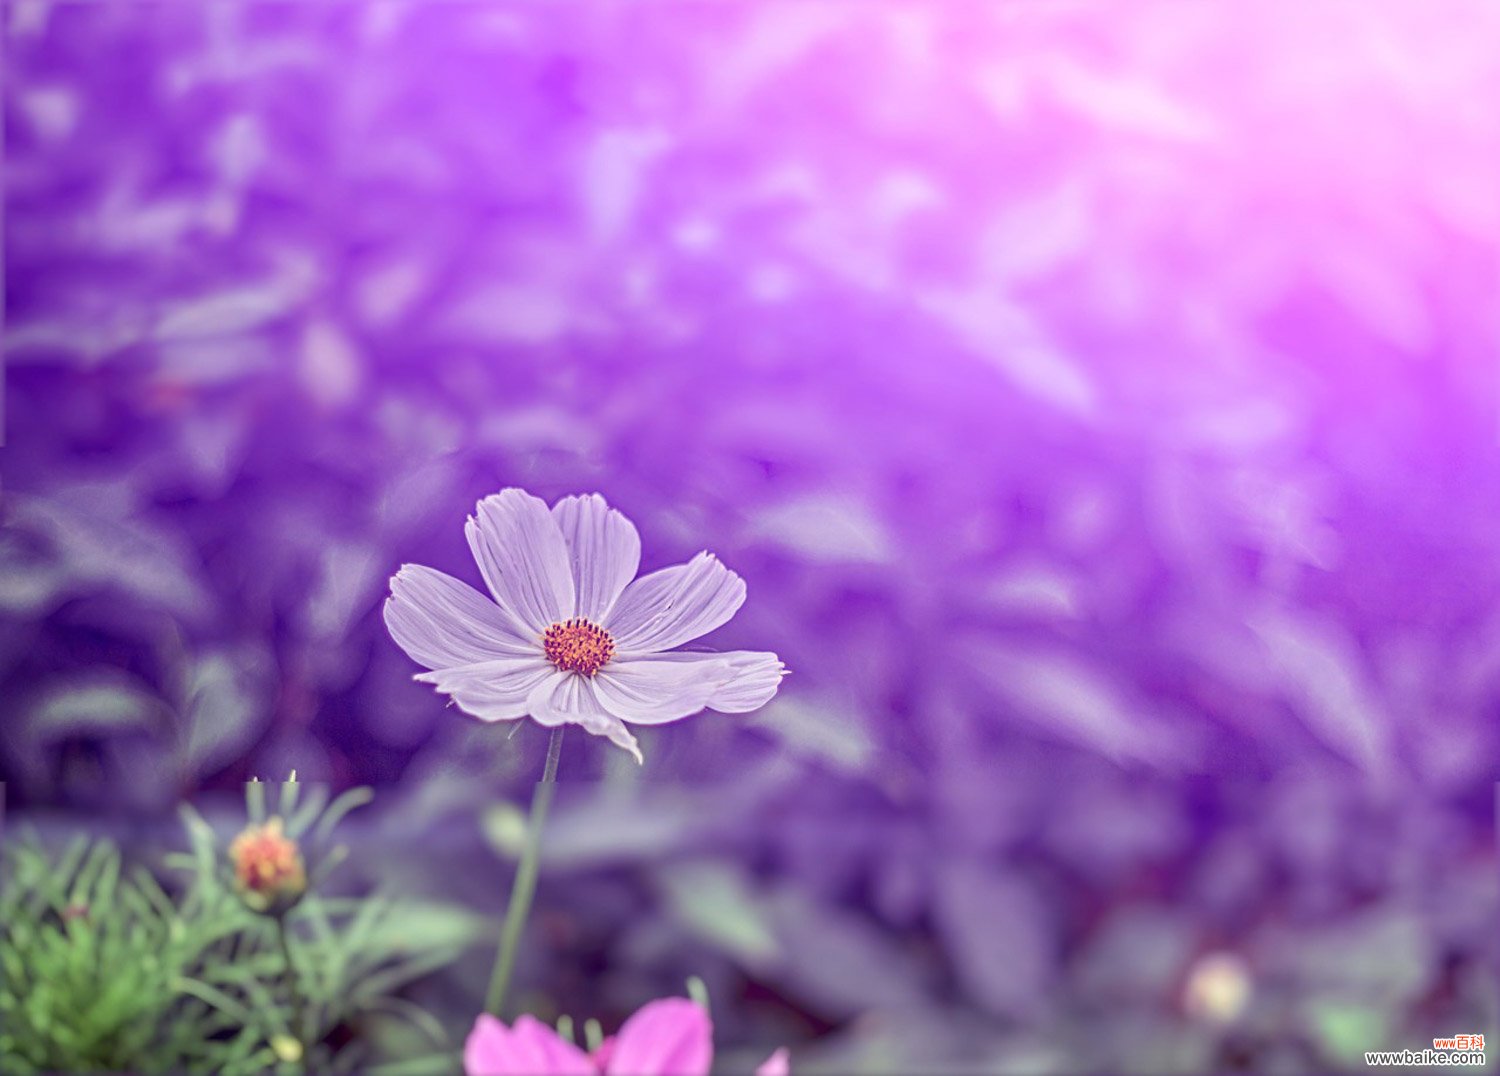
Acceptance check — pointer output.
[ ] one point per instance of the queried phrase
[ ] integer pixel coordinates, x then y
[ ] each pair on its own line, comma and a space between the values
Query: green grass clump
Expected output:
93, 964
106, 970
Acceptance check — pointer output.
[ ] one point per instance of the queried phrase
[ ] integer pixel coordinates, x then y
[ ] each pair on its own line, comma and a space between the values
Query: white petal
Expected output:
523, 558
754, 676
441, 621
646, 691
566, 697
604, 552
492, 690
675, 605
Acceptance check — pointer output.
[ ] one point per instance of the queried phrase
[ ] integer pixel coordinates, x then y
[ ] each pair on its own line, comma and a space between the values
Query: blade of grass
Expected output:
413, 1014
297, 822
339, 808
431, 1065
255, 801
219, 1000
286, 803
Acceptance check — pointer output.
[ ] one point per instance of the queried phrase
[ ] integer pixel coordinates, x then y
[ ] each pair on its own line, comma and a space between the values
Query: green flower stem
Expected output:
524, 887
294, 992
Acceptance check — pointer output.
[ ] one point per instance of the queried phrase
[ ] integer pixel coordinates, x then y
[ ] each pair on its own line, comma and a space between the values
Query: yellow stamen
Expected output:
579, 646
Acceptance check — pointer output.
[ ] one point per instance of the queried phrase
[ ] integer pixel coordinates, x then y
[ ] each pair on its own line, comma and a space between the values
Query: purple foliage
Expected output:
1102, 411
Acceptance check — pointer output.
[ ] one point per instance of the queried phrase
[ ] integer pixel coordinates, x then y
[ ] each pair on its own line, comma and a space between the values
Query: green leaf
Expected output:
91, 955
327, 865
224, 708
255, 801
311, 806
201, 837
418, 925
698, 990
114, 703
220, 1000
290, 789
714, 901
1347, 1029
397, 975
413, 1014
827, 730
505, 826
348, 801
432, 1065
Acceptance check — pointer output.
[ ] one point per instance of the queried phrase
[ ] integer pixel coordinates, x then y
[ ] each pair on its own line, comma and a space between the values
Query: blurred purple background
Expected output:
1102, 407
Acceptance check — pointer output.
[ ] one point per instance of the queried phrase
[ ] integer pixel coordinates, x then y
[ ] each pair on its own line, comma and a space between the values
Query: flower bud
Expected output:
286, 1048
1218, 988
268, 869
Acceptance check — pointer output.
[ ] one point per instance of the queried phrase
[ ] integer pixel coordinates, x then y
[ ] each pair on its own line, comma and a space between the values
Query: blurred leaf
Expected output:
102, 543
840, 961
1124, 101
433, 1065
414, 1015
226, 706
1011, 340
1347, 1029
1136, 956
421, 493
505, 828
255, 800
527, 312
1039, 591
339, 809
824, 528
1000, 936
105, 701
426, 927
352, 575
1076, 699
1319, 671
30, 578
613, 828
715, 901
821, 728
1384, 955
308, 808
229, 311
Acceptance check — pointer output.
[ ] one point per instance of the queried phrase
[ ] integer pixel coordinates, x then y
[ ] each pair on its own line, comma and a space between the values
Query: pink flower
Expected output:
670, 1037
570, 634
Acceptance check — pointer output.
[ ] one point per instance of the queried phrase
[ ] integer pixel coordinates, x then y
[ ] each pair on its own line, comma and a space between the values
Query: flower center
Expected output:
578, 646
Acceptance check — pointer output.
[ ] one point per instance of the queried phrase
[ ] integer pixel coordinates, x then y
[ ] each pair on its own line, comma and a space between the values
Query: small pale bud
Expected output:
1218, 988
286, 1048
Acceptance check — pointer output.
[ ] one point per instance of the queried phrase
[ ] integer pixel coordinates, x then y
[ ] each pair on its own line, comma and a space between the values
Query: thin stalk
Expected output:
524, 887
294, 991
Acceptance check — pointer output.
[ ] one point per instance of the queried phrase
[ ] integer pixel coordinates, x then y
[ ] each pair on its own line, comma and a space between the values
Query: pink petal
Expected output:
557, 1056
778, 1064
531, 1048
675, 605
441, 622
604, 552
753, 677
646, 691
487, 1049
492, 690
569, 698
670, 1037
523, 558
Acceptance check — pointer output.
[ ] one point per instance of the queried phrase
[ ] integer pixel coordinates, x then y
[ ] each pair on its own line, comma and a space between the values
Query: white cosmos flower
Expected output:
572, 635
